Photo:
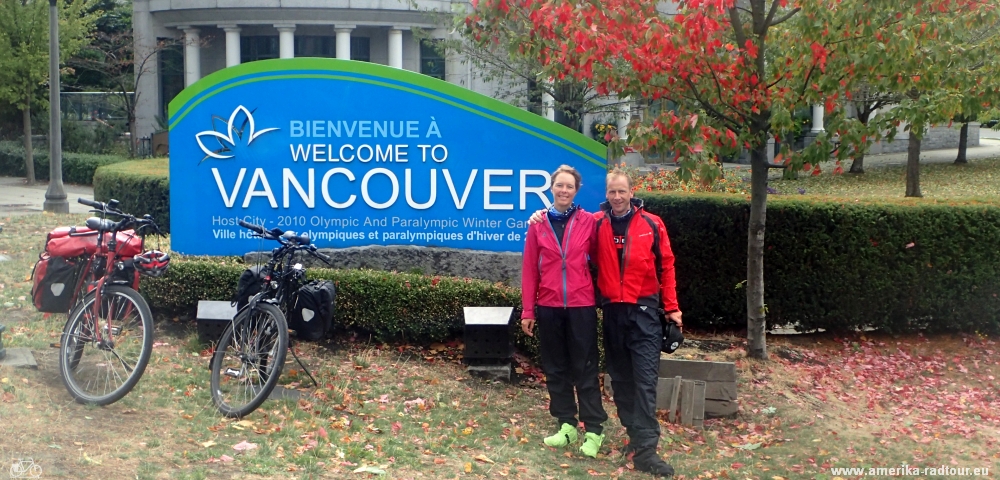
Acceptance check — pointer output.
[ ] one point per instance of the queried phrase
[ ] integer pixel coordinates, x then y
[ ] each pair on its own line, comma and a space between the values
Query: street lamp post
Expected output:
55, 195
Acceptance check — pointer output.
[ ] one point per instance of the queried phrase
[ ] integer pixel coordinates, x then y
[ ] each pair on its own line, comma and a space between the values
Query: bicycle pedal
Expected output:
232, 373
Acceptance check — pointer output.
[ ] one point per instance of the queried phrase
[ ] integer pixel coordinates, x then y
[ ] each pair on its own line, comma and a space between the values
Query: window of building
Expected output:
258, 47
171, 73
315, 46
431, 59
361, 49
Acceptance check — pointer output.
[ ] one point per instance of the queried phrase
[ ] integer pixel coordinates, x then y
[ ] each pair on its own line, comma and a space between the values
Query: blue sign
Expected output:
353, 153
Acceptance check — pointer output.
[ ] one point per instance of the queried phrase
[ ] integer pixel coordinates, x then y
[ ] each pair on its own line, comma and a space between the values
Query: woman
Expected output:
557, 293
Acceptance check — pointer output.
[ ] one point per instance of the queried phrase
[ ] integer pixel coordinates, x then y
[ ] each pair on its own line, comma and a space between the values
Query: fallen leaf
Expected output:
244, 446
468, 467
208, 444
370, 469
564, 465
483, 458
439, 461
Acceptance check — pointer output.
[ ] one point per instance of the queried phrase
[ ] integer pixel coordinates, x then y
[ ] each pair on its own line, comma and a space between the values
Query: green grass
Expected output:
413, 411
977, 180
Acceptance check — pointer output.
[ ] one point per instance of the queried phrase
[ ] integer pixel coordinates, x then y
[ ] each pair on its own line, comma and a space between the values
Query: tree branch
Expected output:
784, 17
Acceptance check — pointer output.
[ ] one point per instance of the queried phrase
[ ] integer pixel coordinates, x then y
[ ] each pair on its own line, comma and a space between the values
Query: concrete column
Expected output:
395, 47
286, 41
232, 44
344, 41
147, 104
192, 55
817, 123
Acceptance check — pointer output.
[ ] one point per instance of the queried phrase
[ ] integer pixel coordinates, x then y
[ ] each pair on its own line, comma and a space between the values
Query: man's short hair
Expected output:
570, 170
618, 173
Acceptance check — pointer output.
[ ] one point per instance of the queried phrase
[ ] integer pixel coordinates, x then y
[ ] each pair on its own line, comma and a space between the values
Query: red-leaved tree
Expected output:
733, 72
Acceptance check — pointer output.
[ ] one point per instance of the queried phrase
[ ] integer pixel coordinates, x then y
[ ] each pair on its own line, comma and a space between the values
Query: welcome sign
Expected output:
353, 153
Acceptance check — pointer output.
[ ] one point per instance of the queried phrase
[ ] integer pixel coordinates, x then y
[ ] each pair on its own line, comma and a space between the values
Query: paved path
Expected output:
16, 198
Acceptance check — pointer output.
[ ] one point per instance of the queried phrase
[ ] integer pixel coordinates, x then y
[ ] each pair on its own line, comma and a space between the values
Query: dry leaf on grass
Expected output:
244, 446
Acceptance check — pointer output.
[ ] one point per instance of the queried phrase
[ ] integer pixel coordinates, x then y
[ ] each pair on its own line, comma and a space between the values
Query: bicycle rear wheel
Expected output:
248, 360
103, 371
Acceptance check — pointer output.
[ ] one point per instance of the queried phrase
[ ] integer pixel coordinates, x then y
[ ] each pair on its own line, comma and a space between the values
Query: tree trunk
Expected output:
858, 166
963, 144
913, 165
756, 315
29, 158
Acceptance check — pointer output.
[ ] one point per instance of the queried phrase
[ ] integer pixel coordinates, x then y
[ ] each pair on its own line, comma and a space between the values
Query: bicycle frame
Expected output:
92, 277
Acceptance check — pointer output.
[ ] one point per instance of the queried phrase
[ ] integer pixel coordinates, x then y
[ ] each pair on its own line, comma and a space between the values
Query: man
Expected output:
635, 279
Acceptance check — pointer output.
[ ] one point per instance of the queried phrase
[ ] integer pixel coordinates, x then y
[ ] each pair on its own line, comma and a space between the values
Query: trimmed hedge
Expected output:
388, 305
78, 168
142, 186
837, 264
834, 264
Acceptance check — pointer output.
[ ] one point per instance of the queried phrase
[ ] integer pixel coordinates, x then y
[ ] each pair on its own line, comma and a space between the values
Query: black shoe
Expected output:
648, 461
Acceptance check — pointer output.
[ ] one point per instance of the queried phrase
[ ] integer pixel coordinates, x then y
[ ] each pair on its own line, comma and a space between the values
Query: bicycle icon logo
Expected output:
25, 468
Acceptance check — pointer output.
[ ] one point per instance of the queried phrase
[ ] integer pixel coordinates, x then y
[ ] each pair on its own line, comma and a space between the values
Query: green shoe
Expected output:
565, 436
591, 444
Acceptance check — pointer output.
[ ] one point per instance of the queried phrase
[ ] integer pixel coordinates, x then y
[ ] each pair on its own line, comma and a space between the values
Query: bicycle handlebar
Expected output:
128, 220
249, 226
91, 203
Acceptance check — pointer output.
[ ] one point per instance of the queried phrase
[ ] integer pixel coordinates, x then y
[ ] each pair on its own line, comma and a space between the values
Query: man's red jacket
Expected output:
646, 273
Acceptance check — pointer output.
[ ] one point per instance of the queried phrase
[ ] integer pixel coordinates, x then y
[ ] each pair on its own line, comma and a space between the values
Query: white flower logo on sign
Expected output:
227, 140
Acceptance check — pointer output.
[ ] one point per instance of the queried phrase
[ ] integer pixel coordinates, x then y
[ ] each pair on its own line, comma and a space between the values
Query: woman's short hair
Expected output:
570, 170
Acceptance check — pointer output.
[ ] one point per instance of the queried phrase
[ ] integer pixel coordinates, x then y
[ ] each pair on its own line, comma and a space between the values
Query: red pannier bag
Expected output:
76, 241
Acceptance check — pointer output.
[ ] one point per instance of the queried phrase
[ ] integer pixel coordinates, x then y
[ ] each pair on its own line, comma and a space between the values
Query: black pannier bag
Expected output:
53, 282
248, 285
312, 314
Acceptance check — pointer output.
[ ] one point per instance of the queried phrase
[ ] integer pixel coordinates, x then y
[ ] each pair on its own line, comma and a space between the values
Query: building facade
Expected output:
184, 40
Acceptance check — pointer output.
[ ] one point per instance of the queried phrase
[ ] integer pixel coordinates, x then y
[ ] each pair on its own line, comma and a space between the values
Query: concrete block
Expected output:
215, 310
491, 372
18, 357
698, 370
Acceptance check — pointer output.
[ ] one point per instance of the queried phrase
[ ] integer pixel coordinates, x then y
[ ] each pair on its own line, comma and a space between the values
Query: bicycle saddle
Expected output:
103, 225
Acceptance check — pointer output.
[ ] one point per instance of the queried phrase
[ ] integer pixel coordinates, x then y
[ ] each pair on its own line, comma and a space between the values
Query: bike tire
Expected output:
248, 360
130, 314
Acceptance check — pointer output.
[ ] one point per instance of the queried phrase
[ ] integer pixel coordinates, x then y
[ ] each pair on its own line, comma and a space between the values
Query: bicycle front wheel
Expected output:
103, 353
248, 360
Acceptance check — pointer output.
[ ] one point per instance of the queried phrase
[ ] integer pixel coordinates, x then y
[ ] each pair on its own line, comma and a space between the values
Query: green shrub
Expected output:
388, 305
78, 168
142, 186
896, 266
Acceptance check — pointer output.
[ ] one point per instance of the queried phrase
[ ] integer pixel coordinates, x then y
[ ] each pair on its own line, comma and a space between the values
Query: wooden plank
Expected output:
698, 417
675, 391
687, 402
664, 391
698, 370
720, 409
